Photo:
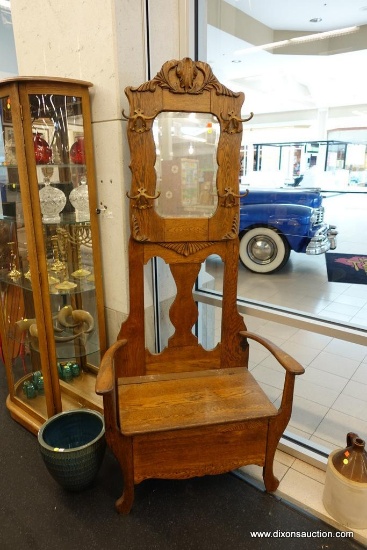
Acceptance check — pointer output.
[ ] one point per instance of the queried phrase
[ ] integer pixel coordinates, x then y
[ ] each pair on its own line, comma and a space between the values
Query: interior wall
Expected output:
74, 41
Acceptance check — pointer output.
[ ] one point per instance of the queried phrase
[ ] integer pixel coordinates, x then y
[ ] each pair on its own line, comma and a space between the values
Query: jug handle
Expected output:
351, 437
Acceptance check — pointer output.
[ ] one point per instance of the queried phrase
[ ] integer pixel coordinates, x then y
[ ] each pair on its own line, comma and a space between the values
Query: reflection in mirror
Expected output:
186, 164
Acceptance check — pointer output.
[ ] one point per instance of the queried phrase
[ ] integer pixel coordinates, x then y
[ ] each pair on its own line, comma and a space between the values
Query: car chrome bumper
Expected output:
324, 240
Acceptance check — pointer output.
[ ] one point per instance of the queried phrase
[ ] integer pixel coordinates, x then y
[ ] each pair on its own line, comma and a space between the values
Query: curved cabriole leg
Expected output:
274, 434
124, 504
277, 425
270, 481
121, 447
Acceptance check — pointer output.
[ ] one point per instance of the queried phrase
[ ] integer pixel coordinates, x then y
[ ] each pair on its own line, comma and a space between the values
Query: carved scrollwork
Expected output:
234, 123
229, 197
136, 232
185, 473
138, 122
186, 77
233, 233
187, 248
141, 198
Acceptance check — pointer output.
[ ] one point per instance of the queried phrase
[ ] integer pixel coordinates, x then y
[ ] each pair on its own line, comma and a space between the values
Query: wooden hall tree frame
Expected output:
186, 411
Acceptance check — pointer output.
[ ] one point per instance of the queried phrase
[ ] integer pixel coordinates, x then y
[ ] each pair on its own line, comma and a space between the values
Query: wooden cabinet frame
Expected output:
70, 99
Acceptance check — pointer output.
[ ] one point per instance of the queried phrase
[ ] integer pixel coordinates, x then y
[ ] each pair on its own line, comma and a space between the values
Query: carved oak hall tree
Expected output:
187, 411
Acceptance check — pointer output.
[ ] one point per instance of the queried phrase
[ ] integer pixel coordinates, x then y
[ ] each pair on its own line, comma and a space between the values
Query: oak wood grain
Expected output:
187, 411
166, 402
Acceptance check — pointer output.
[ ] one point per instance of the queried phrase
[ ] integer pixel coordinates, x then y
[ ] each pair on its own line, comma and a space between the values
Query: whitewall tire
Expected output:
263, 250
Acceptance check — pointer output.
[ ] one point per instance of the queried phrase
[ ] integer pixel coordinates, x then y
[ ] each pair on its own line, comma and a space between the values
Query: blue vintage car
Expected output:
275, 221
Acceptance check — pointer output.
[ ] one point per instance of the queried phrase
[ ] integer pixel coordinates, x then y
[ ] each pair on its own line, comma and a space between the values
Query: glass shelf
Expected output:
81, 285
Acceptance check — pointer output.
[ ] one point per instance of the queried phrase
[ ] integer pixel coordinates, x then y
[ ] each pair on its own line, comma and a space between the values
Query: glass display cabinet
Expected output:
52, 324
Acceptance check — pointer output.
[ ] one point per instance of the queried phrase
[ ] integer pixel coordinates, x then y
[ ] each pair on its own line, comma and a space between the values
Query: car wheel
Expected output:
263, 250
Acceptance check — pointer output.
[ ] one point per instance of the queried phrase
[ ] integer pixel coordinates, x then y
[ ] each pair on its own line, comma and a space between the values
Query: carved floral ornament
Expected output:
185, 77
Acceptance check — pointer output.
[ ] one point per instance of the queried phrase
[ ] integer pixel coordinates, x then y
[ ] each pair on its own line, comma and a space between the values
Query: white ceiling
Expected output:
277, 83
296, 14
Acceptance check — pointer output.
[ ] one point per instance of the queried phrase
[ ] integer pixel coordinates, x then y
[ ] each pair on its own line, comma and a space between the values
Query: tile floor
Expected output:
302, 485
331, 396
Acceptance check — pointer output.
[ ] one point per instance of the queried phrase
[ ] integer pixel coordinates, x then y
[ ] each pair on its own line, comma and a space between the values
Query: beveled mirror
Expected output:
184, 159
186, 164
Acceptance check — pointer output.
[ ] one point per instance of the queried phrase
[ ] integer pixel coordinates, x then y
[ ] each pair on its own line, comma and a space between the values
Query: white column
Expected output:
322, 120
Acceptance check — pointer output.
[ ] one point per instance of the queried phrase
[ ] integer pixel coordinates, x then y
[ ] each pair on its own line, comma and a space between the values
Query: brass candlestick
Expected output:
27, 275
80, 235
14, 273
60, 264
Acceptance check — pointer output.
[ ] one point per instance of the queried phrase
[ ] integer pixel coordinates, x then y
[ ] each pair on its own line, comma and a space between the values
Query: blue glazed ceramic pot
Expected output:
72, 445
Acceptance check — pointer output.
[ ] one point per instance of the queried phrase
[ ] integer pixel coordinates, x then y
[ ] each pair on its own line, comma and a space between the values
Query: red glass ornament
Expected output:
77, 151
42, 150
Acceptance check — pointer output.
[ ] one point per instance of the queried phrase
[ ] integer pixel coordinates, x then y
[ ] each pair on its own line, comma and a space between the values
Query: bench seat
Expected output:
185, 400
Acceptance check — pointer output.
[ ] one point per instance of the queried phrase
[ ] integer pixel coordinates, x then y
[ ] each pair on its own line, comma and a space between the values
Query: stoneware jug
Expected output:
351, 462
345, 491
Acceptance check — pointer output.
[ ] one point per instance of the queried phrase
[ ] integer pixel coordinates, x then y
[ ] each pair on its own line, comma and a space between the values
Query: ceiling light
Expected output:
299, 39
323, 35
315, 20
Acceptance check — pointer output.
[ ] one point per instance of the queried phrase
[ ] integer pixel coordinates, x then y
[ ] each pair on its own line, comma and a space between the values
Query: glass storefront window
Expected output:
304, 162
8, 59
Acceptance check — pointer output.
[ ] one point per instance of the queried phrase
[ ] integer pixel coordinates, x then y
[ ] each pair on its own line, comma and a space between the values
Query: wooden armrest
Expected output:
106, 374
287, 361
